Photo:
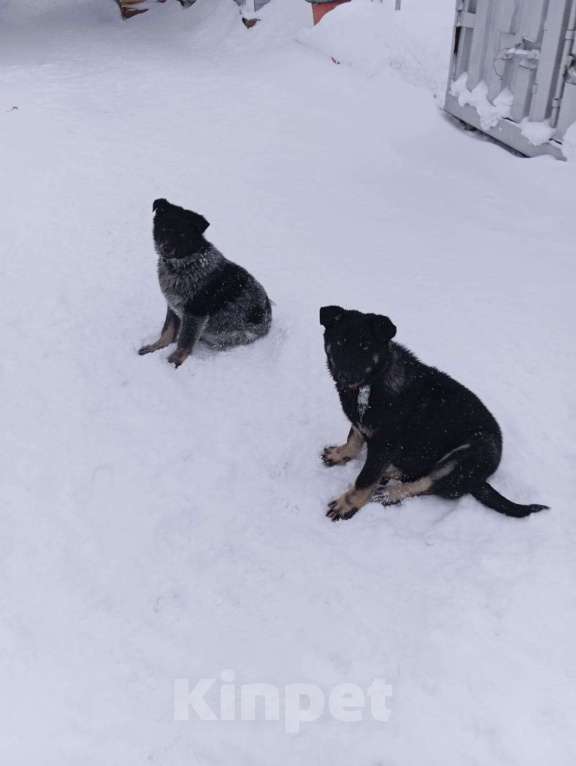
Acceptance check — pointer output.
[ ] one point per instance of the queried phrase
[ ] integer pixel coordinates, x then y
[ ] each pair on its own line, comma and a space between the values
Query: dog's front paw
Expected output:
177, 357
146, 350
335, 456
342, 508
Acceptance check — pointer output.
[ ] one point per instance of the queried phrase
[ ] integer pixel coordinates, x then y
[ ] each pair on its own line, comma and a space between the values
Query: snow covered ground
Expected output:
161, 524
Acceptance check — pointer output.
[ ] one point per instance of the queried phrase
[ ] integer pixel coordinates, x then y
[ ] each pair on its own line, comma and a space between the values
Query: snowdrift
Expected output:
373, 37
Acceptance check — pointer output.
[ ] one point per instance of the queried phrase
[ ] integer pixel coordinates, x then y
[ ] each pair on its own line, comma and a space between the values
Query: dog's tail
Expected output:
488, 496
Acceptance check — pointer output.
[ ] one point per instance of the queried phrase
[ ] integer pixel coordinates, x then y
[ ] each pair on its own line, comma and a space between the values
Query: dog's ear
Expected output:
382, 328
159, 204
199, 222
330, 314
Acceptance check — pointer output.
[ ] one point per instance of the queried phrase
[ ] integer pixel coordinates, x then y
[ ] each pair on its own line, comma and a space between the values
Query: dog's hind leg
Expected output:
395, 493
470, 470
470, 464
449, 478
191, 329
167, 336
345, 452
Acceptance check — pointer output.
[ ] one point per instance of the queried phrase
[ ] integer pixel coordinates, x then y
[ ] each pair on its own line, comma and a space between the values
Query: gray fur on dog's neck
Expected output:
194, 268
181, 278
208, 256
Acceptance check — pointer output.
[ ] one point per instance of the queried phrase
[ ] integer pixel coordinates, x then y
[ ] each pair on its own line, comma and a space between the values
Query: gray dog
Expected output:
209, 298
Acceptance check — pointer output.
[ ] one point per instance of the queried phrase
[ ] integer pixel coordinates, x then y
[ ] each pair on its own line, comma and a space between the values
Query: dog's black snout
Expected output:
160, 204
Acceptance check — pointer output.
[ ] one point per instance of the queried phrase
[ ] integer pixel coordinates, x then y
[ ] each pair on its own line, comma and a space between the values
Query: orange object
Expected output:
319, 10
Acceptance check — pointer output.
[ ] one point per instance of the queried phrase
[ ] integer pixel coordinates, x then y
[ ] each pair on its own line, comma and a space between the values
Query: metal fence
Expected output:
513, 71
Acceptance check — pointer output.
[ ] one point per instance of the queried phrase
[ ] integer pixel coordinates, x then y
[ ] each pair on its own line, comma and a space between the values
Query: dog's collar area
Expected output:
184, 258
350, 388
176, 264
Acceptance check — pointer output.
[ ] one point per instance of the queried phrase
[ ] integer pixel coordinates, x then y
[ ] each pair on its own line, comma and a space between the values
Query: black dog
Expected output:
425, 433
209, 298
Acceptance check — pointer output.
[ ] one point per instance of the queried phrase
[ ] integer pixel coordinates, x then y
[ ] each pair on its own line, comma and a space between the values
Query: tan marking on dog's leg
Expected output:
345, 452
349, 503
399, 492
167, 336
